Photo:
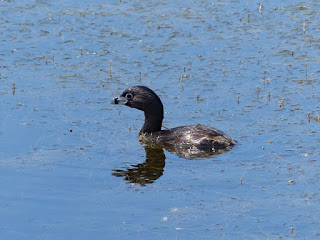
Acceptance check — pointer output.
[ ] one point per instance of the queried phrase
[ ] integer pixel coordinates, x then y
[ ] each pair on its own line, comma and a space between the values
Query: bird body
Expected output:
195, 138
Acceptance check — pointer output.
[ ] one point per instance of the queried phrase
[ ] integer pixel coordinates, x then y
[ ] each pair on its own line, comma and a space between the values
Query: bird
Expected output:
190, 140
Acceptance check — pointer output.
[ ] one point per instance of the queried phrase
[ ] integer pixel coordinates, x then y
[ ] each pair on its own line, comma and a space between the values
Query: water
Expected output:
253, 74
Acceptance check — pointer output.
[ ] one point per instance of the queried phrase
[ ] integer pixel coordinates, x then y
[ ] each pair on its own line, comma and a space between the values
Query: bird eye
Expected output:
129, 96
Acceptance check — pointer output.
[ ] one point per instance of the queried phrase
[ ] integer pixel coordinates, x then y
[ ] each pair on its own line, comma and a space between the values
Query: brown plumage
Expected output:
195, 139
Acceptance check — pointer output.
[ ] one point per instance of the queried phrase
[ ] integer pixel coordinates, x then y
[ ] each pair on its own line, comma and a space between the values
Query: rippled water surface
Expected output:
71, 165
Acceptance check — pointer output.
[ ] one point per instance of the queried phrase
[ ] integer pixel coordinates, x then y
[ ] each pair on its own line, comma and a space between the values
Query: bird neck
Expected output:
152, 122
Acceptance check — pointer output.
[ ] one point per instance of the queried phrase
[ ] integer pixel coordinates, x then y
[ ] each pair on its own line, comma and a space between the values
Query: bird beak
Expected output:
119, 100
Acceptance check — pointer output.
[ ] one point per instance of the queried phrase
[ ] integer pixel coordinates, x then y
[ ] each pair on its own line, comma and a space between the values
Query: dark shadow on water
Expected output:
147, 172
153, 167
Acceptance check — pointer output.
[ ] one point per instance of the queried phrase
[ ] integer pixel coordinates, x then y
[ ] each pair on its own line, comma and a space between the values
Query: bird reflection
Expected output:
153, 167
147, 172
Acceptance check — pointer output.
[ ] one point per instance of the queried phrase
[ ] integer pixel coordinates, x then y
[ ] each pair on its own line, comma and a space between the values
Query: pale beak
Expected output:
119, 100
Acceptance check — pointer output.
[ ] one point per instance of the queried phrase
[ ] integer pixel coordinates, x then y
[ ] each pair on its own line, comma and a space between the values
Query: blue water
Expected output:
253, 74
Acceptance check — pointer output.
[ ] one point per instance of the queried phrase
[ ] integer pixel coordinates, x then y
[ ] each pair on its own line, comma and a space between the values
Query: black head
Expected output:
139, 97
144, 99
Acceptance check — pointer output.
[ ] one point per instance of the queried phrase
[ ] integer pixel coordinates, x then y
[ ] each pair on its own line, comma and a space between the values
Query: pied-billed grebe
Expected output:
197, 136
